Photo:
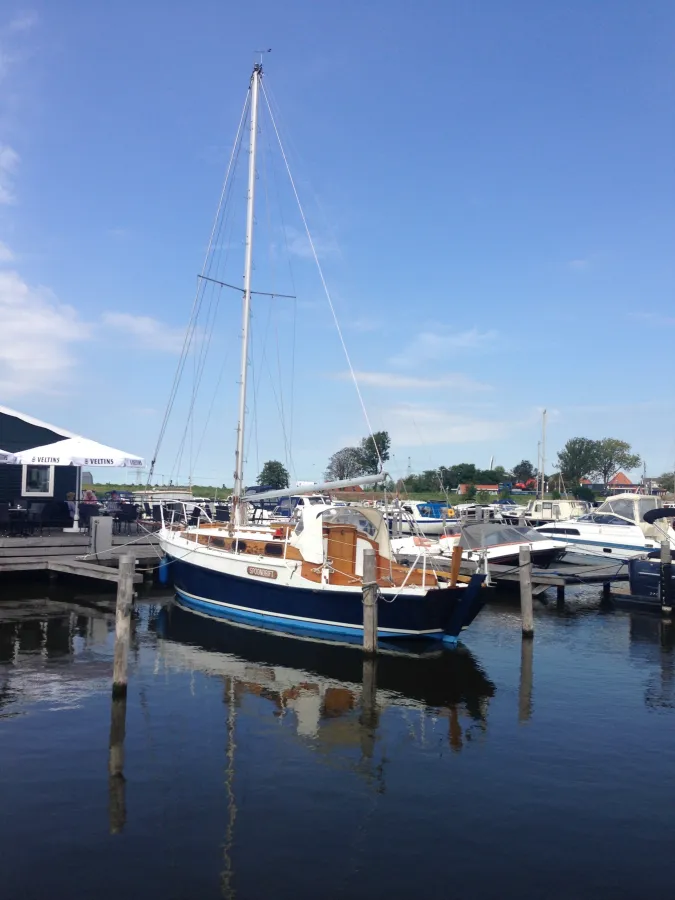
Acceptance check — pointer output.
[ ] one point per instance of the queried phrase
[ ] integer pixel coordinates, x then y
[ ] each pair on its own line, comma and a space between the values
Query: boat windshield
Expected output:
347, 515
599, 518
491, 535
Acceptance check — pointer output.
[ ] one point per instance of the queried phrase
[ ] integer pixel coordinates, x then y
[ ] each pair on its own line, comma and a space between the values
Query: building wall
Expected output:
15, 435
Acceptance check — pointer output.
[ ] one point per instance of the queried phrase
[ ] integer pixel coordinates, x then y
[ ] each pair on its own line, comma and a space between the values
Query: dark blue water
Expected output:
260, 766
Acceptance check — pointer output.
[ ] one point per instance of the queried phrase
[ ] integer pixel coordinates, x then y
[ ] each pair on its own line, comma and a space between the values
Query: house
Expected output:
620, 484
487, 488
19, 431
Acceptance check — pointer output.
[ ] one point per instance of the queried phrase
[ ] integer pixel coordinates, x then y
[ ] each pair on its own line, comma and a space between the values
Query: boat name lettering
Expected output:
261, 573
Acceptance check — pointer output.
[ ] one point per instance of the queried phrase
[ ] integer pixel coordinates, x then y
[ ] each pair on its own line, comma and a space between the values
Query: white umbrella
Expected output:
6, 457
78, 451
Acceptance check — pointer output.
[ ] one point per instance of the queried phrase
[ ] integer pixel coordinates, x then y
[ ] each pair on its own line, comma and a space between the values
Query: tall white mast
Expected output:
239, 509
543, 454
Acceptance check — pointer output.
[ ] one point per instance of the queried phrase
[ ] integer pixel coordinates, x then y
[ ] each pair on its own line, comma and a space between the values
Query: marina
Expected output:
336, 525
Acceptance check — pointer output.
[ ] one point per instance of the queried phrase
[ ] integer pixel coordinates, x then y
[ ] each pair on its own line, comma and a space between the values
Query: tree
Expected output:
274, 474
583, 492
483, 497
613, 455
371, 463
523, 471
667, 481
462, 473
346, 463
471, 492
578, 459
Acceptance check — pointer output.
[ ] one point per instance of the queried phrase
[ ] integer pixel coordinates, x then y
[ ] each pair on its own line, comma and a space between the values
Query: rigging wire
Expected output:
196, 304
322, 277
210, 320
295, 303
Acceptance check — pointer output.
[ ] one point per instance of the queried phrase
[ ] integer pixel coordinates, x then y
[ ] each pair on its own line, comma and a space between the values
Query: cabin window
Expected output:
217, 542
274, 549
239, 546
37, 481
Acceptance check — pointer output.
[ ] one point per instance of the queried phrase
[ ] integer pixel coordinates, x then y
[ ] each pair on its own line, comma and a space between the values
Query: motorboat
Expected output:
417, 517
493, 542
541, 512
616, 529
644, 574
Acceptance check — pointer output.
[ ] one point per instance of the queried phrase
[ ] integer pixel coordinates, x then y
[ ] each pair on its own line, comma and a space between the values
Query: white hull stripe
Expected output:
278, 615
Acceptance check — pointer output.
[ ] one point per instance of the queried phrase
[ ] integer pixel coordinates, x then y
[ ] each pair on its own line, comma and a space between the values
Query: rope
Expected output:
321, 276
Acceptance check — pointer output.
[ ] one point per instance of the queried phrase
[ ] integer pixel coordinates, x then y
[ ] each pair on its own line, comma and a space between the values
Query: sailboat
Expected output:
305, 575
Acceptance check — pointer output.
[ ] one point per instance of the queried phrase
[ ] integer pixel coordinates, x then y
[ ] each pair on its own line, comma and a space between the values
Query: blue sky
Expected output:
491, 190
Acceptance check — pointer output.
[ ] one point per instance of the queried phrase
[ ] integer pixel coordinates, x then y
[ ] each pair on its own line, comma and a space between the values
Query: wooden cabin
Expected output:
25, 485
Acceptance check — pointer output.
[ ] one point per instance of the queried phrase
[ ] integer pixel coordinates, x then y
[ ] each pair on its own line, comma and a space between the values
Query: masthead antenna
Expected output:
262, 53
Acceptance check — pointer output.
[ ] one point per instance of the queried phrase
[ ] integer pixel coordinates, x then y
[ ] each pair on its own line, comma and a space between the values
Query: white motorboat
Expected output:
491, 541
541, 512
416, 517
615, 529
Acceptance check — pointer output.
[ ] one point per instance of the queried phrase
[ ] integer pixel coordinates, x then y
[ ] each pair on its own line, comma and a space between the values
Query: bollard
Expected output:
666, 579
125, 593
369, 601
117, 811
525, 562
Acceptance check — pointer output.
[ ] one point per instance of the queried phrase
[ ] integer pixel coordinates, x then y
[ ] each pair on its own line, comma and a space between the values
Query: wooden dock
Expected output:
70, 554
559, 577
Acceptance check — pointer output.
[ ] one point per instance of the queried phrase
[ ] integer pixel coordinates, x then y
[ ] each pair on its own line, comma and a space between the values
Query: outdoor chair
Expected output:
35, 517
194, 517
223, 514
126, 517
85, 512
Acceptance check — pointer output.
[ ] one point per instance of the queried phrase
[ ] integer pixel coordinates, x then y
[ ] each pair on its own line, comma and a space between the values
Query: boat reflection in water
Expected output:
333, 691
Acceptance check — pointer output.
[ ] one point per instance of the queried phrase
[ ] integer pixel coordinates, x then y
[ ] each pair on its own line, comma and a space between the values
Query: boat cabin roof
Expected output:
629, 506
368, 522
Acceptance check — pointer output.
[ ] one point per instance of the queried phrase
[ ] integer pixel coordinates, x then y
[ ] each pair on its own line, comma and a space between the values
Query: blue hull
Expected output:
439, 614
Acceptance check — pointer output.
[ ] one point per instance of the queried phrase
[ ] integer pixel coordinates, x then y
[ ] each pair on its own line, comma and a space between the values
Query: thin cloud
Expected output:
119, 233
440, 343
415, 426
146, 332
9, 160
653, 318
298, 244
37, 334
395, 381
6, 254
579, 265
363, 325
23, 22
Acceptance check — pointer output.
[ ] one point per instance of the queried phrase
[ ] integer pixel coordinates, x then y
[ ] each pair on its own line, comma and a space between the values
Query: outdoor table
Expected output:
18, 520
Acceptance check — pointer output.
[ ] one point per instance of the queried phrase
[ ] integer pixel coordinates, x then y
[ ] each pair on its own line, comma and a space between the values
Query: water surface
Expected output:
250, 765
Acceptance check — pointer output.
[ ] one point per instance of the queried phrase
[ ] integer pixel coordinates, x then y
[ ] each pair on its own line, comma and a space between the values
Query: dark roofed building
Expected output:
19, 431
